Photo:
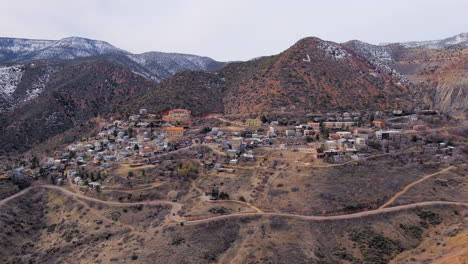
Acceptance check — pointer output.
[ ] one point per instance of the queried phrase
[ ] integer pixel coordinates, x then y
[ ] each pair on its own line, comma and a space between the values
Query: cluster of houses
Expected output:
338, 134
134, 141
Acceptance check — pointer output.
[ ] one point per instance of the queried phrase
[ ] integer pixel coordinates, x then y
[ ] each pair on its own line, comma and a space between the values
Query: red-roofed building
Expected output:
379, 123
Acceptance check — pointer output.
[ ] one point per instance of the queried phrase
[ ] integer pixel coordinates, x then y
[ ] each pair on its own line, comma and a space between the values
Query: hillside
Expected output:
71, 93
57, 228
312, 75
23, 82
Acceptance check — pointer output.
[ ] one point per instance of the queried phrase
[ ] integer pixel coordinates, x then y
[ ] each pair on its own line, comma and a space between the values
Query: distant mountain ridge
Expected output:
460, 39
156, 66
15, 50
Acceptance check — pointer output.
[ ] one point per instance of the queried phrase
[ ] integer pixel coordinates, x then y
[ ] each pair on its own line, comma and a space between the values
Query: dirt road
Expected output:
335, 217
173, 213
176, 207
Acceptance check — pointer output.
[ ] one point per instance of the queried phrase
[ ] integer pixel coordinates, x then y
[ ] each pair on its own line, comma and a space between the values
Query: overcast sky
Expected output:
231, 30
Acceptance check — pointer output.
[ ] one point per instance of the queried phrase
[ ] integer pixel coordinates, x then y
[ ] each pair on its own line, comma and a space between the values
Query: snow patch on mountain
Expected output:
333, 51
463, 37
39, 85
10, 77
382, 54
379, 56
71, 48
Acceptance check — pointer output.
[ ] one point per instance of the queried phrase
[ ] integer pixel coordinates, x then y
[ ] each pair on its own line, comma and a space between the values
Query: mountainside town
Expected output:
141, 142
300, 139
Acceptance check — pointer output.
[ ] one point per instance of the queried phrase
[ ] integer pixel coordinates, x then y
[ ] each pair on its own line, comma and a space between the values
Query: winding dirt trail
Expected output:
176, 207
407, 187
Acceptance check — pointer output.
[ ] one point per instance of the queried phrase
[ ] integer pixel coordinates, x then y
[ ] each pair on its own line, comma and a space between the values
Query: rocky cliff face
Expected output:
441, 76
437, 70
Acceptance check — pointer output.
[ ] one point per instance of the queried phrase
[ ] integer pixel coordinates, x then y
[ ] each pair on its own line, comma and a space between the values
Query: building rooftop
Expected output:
174, 128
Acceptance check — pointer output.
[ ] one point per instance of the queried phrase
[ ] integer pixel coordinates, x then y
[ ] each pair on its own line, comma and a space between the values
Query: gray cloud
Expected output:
231, 30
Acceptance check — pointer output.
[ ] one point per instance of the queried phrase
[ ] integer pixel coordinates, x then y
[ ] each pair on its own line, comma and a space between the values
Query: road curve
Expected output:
173, 213
407, 187
9, 198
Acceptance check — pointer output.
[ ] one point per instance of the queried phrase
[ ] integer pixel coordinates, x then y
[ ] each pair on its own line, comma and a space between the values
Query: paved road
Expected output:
412, 184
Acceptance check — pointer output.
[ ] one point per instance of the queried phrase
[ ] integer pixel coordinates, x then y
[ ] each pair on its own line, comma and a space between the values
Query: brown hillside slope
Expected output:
311, 75
201, 92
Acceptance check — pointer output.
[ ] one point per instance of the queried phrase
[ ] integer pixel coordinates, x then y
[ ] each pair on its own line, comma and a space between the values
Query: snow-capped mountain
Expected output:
14, 50
153, 65
460, 39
